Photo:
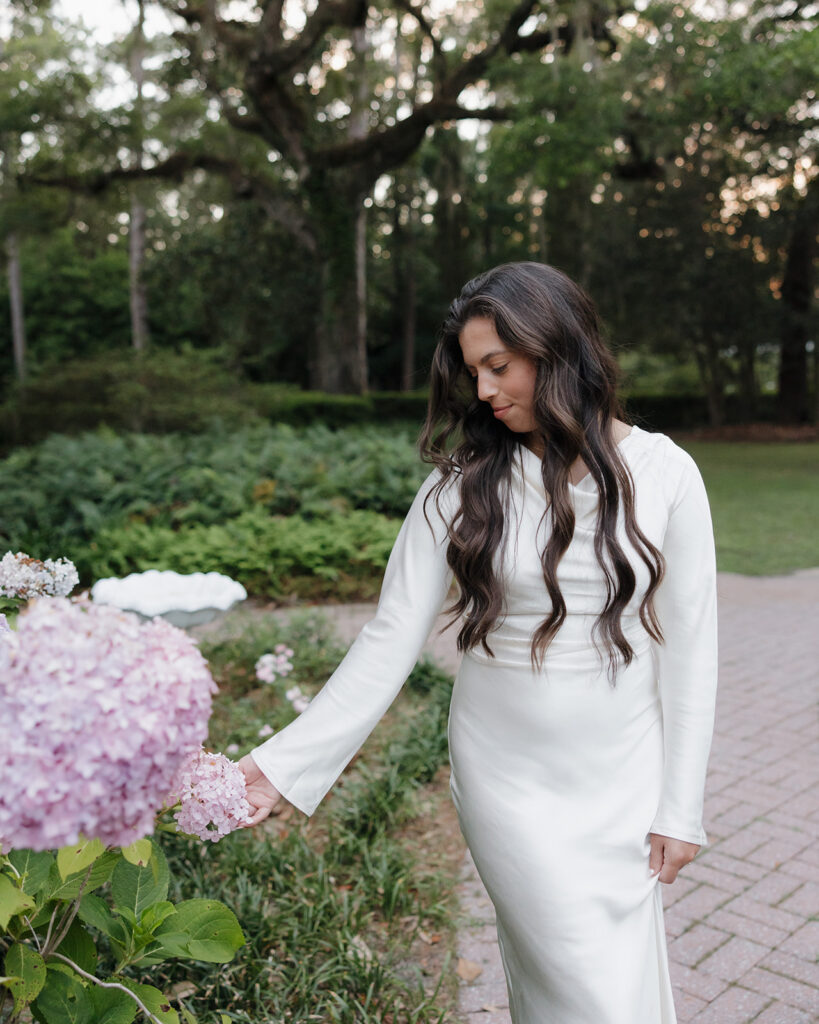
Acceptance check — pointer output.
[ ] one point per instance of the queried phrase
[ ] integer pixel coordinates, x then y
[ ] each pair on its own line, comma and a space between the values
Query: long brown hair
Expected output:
541, 313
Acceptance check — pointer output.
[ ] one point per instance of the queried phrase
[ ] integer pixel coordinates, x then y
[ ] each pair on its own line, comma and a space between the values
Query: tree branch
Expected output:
438, 56
244, 185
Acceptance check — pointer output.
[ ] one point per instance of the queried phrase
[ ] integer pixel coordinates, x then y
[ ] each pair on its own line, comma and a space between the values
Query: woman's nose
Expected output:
486, 388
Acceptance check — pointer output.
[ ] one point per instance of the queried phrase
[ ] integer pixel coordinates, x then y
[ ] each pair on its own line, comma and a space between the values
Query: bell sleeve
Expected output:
686, 662
304, 759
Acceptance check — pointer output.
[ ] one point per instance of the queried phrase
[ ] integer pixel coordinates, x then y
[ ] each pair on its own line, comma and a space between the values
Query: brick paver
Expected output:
743, 939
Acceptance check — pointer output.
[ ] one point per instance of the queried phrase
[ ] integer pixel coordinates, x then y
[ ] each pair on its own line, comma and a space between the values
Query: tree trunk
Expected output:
406, 288
18, 327
136, 237
136, 260
747, 379
337, 361
707, 359
797, 299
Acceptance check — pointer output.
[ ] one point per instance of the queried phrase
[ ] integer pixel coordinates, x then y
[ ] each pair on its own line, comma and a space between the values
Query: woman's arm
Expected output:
686, 605
302, 761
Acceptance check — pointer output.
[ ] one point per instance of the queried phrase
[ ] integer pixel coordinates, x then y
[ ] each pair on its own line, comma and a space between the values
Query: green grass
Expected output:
765, 504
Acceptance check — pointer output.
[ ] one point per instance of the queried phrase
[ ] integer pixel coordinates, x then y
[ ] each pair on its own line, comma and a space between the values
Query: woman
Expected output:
582, 713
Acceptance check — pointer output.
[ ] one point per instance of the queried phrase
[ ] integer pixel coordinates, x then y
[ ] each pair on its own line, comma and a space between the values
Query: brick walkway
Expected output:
742, 919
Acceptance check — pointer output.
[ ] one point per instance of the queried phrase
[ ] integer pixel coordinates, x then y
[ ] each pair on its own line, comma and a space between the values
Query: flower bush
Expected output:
98, 711
102, 715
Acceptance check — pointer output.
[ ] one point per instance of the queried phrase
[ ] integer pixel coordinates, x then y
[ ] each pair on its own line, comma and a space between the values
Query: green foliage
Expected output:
123, 389
52, 957
214, 502
276, 557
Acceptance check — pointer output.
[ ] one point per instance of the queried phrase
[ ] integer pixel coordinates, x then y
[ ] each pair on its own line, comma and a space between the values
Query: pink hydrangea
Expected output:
98, 711
270, 666
213, 797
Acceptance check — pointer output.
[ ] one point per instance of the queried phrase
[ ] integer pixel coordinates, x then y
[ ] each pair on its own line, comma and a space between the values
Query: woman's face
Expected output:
505, 379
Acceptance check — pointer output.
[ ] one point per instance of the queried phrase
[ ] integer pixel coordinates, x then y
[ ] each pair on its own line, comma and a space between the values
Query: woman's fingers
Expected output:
655, 860
262, 795
669, 855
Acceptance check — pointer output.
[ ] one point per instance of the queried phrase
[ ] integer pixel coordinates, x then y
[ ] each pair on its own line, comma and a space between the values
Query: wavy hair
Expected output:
541, 313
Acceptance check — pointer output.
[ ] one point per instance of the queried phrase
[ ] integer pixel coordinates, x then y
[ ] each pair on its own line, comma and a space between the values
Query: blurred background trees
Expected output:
298, 190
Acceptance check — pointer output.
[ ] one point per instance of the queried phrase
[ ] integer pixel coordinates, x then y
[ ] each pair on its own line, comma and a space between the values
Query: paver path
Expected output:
742, 919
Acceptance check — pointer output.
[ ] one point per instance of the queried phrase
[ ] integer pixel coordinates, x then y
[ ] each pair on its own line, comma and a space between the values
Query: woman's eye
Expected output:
500, 369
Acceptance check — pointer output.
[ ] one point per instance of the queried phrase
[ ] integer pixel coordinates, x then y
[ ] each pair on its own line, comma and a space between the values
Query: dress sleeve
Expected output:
686, 662
304, 759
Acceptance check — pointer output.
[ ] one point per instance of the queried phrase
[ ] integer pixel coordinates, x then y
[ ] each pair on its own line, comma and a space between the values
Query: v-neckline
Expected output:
587, 474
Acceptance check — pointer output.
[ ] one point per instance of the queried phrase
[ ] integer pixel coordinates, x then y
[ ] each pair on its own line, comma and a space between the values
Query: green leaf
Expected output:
29, 971
156, 1001
69, 889
138, 853
153, 916
136, 888
64, 1000
211, 929
33, 867
79, 947
71, 859
111, 1005
95, 911
12, 900
168, 944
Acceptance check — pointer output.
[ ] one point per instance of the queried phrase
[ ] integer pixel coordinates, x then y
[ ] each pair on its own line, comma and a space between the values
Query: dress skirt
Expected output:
556, 778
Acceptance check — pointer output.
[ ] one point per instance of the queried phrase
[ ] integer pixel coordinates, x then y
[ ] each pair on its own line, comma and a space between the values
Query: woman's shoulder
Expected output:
663, 458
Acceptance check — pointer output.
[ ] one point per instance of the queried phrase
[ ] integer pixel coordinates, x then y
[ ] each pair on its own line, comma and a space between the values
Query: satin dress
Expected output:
558, 776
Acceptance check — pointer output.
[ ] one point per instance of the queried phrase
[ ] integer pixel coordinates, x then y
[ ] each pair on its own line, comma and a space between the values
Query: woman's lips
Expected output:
501, 410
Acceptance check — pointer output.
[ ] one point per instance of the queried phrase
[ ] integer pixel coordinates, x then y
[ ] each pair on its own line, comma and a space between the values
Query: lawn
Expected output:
764, 501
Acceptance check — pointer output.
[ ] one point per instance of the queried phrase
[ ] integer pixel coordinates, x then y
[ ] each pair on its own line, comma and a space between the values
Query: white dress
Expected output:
557, 776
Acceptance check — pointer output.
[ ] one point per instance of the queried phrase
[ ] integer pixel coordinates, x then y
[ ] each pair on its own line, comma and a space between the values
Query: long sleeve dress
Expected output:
558, 777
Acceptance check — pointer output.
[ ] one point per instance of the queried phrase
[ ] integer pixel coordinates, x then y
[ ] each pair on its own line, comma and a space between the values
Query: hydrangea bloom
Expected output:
297, 699
270, 666
98, 711
5, 628
24, 577
212, 792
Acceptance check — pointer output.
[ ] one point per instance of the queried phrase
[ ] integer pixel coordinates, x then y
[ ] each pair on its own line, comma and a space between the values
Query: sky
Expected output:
111, 18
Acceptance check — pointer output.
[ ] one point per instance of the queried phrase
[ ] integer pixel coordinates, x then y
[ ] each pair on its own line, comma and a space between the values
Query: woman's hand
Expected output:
262, 795
669, 855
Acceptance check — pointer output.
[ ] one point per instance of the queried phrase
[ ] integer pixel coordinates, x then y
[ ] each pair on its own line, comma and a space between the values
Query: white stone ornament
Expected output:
182, 599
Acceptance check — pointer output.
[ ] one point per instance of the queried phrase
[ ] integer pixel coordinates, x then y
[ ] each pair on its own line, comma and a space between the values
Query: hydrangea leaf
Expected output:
70, 888
136, 888
12, 900
138, 853
111, 1005
71, 859
156, 1001
28, 974
79, 947
64, 1000
95, 911
213, 933
33, 867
